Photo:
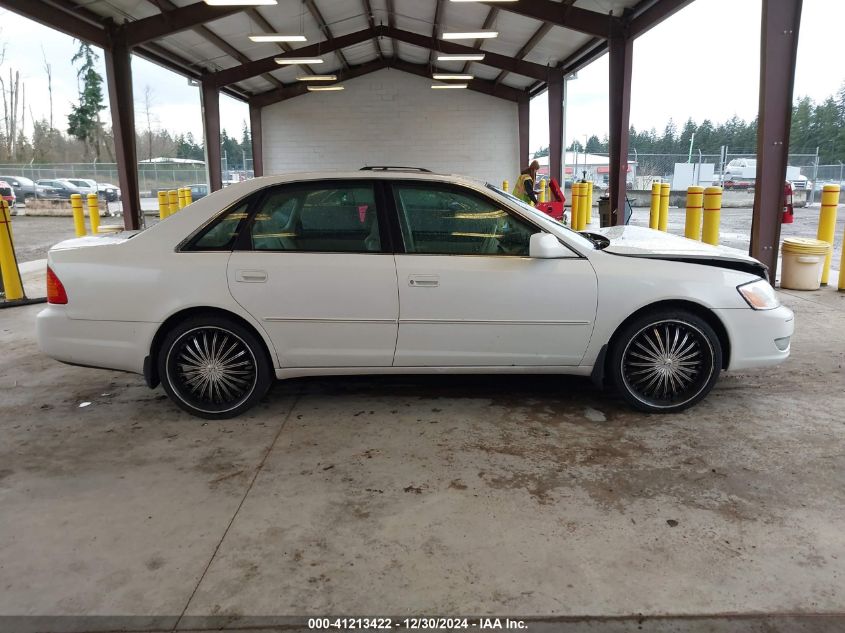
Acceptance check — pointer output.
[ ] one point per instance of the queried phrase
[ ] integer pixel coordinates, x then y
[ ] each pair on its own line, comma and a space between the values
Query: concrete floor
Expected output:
519, 496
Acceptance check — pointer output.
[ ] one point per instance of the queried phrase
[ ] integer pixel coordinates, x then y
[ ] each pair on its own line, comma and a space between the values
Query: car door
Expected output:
314, 267
470, 295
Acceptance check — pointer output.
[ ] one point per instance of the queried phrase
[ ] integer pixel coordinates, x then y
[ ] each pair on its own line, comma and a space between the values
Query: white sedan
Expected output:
385, 272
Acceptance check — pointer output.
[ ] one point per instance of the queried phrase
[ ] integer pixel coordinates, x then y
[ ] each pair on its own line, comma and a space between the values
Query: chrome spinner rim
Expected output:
211, 369
667, 363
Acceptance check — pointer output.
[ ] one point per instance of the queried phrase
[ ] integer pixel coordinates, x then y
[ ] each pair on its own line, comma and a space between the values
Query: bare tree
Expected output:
147, 110
49, 70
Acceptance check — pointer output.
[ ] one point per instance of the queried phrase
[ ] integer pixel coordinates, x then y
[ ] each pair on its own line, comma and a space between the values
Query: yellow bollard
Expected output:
712, 215
181, 193
163, 205
582, 209
575, 212
827, 224
78, 214
654, 213
589, 203
695, 204
94, 212
173, 197
663, 219
12, 284
505, 185
541, 195
188, 196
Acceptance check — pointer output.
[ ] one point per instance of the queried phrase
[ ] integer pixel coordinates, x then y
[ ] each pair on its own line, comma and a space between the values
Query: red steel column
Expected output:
523, 115
556, 127
257, 139
621, 53
211, 129
122, 108
778, 47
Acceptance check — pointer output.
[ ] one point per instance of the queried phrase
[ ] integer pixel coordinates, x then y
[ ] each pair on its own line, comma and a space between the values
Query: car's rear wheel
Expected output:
213, 367
665, 361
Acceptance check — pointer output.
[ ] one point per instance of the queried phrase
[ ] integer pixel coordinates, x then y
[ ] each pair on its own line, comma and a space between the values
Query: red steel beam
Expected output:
174, 21
257, 140
524, 122
210, 98
65, 22
621, 55
556, 127
778, 48
569, 17
122, 107
642, 21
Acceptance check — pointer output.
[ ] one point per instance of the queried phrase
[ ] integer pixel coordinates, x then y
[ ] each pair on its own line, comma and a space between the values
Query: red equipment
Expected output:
788, 214
554, 207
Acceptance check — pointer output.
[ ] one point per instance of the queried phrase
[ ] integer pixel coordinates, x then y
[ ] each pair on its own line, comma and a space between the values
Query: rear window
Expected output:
221, 234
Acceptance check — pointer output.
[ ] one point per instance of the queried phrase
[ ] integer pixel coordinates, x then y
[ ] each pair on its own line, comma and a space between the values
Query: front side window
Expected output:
451, 221
318, 218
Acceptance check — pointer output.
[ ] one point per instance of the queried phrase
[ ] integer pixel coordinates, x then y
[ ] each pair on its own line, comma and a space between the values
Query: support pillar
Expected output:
122, 107
211, 130
556, 127
257, 139
778, 48
523, 115
621, 53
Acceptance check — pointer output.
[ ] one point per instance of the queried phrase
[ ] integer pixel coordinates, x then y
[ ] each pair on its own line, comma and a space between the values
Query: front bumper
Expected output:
759, 338
120, 345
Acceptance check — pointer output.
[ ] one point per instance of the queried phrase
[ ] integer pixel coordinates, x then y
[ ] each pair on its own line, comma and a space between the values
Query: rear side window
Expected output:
338, 218
221, 234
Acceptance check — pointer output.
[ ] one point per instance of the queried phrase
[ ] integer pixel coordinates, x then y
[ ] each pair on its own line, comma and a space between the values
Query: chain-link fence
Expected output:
152, 177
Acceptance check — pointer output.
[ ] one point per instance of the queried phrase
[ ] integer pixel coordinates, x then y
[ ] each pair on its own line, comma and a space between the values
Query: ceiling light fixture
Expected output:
239, 3
484, 0
317, 78
469, 35
277, 37
298, 60
447, 86
460, 58
324, 88
448, 76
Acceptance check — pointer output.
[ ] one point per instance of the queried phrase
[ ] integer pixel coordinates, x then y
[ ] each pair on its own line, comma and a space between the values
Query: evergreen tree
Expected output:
84, 118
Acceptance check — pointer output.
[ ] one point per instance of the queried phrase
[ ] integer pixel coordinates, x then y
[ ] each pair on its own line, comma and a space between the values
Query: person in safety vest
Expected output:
524, 188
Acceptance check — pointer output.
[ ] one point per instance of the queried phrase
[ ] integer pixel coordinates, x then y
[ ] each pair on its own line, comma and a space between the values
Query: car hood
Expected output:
636, 241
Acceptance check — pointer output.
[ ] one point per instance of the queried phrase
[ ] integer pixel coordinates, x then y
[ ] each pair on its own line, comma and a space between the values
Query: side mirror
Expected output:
547, 246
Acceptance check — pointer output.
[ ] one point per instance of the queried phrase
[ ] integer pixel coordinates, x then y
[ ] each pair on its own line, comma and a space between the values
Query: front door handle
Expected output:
424, 281
251, 276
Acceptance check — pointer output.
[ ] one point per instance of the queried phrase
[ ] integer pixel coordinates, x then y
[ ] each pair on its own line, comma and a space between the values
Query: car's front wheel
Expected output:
665, 361
213, 367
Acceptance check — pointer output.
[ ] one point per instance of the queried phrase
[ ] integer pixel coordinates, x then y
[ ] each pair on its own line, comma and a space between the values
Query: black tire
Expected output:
665, 361
213, 367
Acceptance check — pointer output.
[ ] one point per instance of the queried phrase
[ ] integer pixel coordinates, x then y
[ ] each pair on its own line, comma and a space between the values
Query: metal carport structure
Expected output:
546, 41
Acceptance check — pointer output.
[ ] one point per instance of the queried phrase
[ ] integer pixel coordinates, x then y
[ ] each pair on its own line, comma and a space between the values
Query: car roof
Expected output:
374, 174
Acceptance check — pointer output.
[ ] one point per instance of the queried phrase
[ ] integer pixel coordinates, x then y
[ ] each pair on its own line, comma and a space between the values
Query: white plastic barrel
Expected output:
802, 262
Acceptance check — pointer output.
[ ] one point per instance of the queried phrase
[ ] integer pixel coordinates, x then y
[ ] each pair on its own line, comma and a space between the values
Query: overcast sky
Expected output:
700, 63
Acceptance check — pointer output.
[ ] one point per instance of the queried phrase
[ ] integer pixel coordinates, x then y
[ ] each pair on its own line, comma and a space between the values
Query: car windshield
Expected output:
537, 214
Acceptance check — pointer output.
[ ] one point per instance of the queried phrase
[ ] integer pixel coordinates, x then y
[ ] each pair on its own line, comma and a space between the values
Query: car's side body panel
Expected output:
476, 310
321, 309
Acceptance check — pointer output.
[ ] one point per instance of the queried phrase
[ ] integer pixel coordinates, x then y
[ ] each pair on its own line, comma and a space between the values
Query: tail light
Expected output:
55, 290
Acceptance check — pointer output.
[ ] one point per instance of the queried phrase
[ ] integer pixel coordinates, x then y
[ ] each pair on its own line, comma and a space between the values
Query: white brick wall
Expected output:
393, 118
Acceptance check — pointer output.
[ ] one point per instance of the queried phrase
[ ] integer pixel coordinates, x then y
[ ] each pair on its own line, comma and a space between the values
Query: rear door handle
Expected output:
424, 281
251, 276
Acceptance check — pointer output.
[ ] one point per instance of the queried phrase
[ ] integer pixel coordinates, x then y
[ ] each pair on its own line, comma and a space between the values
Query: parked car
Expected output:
84, 185
7, 192
59, 188
732, 183
198, 191
390, 272
25, 189
111, 192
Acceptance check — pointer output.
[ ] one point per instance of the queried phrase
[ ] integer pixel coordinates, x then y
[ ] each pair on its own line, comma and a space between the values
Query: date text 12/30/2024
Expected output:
423, 623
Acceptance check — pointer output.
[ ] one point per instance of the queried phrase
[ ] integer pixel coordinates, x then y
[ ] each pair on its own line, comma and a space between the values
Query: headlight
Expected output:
760, 295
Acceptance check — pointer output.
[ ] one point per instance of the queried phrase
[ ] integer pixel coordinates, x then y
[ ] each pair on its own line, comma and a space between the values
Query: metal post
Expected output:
556, 126
815, 176
257, 140
621, 53
211, 127
778, 47
522, 113
122, 107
